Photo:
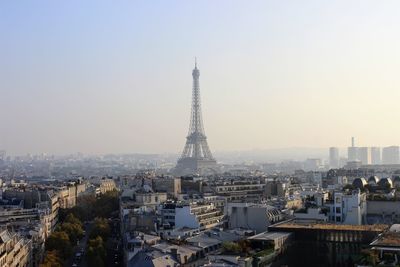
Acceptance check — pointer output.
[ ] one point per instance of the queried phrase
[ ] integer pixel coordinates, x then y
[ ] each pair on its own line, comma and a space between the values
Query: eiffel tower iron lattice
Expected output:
196, 155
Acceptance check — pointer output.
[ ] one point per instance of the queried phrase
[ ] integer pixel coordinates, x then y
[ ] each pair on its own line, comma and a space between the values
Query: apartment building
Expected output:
196, 215
15, 251
348, 207
172, 186
240, 191
252, 216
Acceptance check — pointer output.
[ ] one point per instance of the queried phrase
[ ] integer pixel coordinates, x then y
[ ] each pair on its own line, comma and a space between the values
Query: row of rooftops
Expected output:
330, 226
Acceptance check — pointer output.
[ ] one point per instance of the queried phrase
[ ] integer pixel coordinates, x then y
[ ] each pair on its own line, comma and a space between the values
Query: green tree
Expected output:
245, 246
96, 253
52, 259
60, 242
86, 205
100, 228
231, 247
74, 231
89, 207
71, 218
106, 204
369, 257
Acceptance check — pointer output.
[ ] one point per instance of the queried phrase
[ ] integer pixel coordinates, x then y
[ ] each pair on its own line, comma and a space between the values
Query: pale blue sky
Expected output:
115, 76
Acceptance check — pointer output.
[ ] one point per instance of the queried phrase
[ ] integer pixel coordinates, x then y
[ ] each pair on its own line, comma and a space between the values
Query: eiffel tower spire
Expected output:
196, 155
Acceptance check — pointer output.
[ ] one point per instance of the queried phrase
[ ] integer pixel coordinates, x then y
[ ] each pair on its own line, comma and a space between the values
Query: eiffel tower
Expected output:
196, 156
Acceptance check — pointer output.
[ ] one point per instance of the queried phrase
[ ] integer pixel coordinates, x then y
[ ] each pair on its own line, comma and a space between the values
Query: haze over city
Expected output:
115, 77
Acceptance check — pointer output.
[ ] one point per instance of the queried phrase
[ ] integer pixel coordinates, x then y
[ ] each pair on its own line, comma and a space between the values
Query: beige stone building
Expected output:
14, 250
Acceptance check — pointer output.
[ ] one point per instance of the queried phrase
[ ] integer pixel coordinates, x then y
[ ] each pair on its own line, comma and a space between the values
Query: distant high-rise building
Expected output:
312, 164
376, 155
352, 152
391, 155
333, 157
364, 155
196, 156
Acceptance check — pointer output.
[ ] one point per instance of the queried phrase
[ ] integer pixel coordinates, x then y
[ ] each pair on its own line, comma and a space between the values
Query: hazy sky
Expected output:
115, 76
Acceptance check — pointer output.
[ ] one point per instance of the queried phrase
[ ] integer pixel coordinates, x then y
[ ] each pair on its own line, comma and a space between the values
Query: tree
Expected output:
96, 253
60, 242
90, 207
72, 219
106, 204
369, 257
52, 259
74, 231
100, 228
231, 247
244, 246
86, 205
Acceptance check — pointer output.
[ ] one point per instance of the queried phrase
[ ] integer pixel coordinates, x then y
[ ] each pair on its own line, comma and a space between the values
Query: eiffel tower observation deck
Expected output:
196, 157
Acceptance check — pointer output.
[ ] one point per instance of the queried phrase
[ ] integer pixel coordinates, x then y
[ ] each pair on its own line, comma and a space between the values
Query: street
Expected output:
113, 247
75, 261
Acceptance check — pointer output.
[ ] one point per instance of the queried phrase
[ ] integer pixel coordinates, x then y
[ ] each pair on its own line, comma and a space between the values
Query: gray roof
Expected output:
210, 238
152, 259
269, 236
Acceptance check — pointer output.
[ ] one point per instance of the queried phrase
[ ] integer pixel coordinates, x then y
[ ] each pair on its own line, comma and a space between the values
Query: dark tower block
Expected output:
196, 156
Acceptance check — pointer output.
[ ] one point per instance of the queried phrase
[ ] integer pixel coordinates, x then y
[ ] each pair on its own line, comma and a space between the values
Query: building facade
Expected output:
391, 155
334, 157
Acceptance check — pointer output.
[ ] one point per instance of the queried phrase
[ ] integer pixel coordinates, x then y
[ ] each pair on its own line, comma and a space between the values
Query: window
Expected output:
338, 218
338, 210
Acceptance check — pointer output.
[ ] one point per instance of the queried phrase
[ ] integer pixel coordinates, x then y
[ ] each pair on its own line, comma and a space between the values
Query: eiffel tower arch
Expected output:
196, 157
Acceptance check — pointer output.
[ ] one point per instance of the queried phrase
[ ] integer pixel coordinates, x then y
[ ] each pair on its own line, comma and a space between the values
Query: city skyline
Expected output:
199, 133
79, 85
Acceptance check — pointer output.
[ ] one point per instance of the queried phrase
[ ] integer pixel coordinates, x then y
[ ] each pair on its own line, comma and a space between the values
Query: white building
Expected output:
364, 155
310, 215
198, 216
241, 191
312, 164
352, 152
376, 155
252, 216
348, 208
334, 157
316, 178
149, 199
391, 155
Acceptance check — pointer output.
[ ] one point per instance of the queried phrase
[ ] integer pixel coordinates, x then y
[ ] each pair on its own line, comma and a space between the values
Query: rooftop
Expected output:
269, 236
330, 226
181, 249
389, 239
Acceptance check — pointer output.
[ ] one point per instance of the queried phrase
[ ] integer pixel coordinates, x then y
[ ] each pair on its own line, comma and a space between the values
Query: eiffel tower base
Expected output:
189, 166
